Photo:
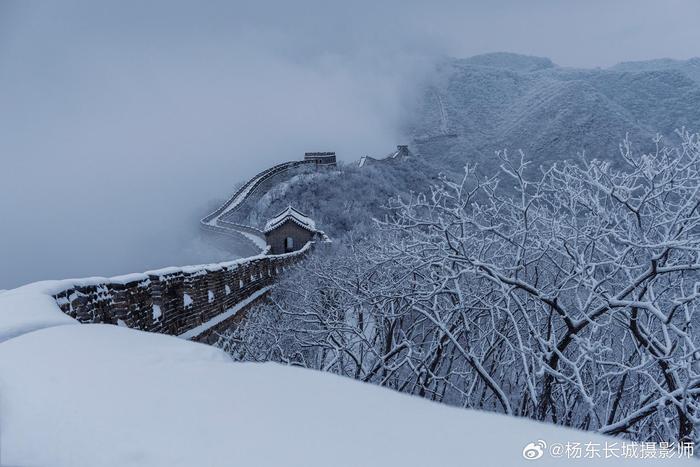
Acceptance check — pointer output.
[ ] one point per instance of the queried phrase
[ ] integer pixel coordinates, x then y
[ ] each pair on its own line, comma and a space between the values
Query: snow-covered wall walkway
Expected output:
222, 219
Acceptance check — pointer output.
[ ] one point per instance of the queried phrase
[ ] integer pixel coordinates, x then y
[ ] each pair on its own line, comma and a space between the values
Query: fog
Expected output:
121, 124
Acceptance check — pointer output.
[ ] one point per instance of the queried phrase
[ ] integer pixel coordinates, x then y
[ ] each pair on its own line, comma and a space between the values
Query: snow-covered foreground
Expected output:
100, 395
29, 308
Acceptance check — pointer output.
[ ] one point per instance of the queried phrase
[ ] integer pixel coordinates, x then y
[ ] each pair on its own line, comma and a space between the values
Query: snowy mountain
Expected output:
475, 106
478, 105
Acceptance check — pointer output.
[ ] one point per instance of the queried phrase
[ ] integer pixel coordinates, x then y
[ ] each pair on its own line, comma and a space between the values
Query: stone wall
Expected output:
174, 300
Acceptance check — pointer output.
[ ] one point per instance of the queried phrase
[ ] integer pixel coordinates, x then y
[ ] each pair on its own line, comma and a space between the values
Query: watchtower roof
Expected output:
295, 216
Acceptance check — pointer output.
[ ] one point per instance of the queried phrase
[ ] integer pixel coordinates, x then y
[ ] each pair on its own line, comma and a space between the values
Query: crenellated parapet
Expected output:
176, 300
320, 158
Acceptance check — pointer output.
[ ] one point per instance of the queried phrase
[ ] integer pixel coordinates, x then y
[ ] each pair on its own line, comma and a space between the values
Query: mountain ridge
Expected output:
477, 105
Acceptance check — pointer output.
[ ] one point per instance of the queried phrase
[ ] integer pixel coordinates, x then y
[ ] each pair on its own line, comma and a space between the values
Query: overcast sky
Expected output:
121, 122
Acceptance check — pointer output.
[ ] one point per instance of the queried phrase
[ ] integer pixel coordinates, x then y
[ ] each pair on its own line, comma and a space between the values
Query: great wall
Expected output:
192, 302
195, 302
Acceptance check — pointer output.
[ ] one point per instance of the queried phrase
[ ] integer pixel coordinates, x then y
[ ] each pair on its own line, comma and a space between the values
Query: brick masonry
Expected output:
174, 302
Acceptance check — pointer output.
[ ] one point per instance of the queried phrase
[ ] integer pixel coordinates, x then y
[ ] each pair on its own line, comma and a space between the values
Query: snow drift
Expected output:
100, 395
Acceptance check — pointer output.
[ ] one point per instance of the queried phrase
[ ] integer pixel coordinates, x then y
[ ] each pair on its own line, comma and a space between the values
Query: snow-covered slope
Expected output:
481, 104
100, 395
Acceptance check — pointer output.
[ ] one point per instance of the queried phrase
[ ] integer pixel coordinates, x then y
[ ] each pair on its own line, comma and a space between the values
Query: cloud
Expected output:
123, 121
120, 127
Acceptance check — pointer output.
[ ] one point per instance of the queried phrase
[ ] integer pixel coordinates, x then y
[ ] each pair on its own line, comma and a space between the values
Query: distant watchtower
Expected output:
321, 158
402, 151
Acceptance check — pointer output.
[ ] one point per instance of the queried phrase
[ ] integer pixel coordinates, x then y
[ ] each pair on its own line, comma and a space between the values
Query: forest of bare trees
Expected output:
570, 297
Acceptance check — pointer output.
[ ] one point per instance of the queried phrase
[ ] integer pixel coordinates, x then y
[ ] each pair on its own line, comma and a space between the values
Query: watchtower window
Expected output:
288, 244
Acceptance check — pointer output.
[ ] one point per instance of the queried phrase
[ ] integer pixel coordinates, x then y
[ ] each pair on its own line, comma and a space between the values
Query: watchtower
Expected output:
289, 231
321, 158
402, 151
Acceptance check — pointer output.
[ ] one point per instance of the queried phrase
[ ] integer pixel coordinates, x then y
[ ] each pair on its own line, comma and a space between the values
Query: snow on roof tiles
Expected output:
290, 214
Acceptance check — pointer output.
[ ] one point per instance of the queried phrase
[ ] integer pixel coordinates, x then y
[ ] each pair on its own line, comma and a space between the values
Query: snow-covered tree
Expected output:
571, 297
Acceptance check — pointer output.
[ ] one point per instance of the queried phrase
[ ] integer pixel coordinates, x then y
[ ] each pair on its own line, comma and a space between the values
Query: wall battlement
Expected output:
175, 300
320, 158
